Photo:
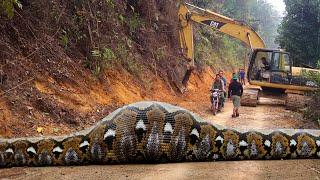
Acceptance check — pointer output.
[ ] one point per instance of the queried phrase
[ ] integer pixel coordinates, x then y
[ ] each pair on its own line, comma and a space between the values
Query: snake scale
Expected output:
154, 132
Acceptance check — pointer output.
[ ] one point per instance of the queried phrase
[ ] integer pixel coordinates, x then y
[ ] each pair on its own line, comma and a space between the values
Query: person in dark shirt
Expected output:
242, 75
235, 93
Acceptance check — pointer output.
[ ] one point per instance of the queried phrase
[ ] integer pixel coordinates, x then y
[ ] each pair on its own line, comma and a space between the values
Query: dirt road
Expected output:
293, 169
262, 117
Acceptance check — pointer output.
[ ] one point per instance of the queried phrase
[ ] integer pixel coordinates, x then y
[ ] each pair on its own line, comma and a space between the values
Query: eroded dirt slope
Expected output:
97, 103
66, 64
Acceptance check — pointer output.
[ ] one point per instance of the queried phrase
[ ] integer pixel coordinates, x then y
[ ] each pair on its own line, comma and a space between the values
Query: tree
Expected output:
265, 20
299, 32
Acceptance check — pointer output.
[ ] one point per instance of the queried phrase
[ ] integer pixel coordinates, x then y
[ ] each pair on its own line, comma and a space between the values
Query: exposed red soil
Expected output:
95, 103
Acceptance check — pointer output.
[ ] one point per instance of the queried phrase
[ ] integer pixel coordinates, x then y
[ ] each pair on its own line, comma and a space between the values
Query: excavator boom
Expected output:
189, 14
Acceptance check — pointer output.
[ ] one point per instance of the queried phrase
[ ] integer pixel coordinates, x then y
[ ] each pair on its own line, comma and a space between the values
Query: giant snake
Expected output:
153, 132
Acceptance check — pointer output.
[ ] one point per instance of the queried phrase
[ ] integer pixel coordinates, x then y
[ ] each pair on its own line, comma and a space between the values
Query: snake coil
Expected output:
154, 132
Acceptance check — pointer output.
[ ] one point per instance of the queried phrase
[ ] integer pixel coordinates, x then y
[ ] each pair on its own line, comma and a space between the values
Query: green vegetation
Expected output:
122, 51
134, 23
102, 59
8, 6
313, 110
104, 48
105, 58
121, 19
64, 40
300, 31
133, 65
110, 3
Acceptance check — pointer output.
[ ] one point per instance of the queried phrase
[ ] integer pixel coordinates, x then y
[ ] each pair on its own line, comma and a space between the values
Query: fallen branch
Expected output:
25, 82
43, 44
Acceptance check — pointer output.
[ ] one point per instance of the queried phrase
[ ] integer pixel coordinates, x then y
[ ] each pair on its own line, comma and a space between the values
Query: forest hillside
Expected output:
67, 64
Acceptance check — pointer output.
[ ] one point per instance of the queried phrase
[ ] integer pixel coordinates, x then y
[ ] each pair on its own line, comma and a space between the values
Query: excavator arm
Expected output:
190, 14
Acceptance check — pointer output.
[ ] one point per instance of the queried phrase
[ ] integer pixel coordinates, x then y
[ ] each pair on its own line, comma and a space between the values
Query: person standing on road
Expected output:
235, 93
224, 79
242, 75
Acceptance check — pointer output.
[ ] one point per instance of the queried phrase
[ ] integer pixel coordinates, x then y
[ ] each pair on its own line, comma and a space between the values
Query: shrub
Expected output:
102, 59
8, 6
134, 23
64, 39
313, 110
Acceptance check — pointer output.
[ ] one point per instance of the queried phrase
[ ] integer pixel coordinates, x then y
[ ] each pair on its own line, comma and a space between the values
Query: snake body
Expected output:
154, 132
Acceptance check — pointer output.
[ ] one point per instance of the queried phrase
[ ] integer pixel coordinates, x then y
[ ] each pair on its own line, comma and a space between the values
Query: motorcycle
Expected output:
216, 104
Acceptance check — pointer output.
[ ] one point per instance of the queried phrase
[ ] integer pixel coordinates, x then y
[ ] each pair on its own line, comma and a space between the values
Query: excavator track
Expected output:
296, 101
250, 97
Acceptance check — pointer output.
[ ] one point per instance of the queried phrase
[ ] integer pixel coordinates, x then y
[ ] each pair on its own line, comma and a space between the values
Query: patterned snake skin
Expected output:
153, 132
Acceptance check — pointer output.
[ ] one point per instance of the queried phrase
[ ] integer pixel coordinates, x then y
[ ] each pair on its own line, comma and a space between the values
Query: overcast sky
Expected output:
278, 5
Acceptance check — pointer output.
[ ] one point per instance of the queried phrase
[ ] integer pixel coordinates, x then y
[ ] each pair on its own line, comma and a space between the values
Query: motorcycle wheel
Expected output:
214, 109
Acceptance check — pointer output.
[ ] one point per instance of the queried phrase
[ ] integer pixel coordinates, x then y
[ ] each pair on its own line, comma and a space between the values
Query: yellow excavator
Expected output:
268, 68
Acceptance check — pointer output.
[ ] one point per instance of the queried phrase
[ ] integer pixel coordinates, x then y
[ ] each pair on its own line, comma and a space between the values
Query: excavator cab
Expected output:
270, 66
